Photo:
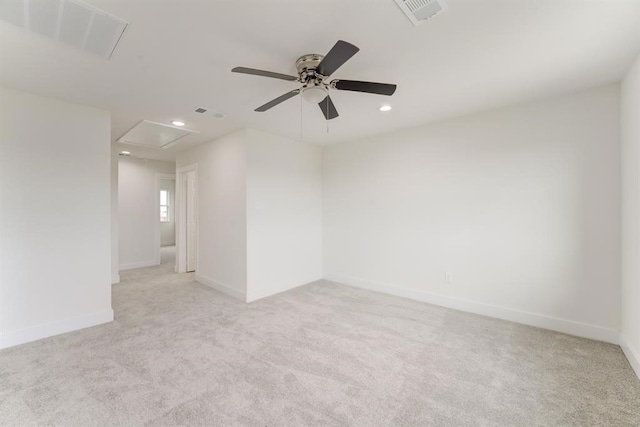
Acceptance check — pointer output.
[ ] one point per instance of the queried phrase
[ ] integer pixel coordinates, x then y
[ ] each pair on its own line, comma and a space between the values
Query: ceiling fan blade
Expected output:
277, 101
338, 55
368, 87
253, 71
328, 109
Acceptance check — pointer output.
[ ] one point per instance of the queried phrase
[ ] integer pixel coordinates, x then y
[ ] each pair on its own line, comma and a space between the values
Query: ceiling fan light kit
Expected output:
313, 72
314, 94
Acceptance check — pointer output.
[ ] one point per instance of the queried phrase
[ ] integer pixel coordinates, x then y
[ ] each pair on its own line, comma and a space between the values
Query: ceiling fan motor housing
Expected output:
307, 65
314, 89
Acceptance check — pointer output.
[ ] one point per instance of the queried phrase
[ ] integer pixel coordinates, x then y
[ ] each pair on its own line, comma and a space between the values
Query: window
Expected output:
164, 206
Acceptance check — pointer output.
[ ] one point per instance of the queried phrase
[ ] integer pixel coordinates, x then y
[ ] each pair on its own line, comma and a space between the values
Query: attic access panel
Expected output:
154, 135
70, 21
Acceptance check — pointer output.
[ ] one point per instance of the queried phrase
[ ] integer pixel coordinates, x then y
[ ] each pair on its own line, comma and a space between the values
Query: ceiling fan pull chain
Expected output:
300, 118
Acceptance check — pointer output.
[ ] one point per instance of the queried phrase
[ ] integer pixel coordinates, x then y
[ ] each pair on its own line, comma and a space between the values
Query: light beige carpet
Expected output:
324, 354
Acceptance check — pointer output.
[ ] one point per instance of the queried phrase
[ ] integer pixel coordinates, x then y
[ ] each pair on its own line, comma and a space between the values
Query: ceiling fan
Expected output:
313, 72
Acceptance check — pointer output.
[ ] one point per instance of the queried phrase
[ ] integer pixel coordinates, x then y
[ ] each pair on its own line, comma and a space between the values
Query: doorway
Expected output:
165, 214
167, 220
187, 219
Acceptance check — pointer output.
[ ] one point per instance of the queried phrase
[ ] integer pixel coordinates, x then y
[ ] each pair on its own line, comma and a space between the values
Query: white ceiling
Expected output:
177, 55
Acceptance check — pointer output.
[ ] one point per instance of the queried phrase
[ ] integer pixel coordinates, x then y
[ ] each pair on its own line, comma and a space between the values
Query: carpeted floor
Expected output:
324, 354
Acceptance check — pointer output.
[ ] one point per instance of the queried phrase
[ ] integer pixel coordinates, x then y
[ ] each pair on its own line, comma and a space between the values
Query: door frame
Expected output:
158, 239
181, 216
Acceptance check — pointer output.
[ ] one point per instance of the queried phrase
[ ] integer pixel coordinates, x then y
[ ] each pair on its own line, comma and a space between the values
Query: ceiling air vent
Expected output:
69, 21
419, 11
215, 114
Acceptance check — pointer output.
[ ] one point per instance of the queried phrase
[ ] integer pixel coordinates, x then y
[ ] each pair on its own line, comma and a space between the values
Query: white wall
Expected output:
259, 213
168, 229
115, 262
630, 331
222, 230
138, 211
520, 205
55, 217
284, 214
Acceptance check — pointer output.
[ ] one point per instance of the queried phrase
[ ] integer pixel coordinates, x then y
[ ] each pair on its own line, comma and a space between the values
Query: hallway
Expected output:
168, 255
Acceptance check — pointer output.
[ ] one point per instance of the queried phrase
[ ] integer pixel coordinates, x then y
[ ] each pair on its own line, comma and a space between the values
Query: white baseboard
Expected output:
532, 319
34, 333
254, 296
225, 289
632, 356
139, 264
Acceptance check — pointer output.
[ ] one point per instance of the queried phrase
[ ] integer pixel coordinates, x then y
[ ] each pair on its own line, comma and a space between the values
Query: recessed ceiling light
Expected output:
385, 108
125, 153
177, 123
